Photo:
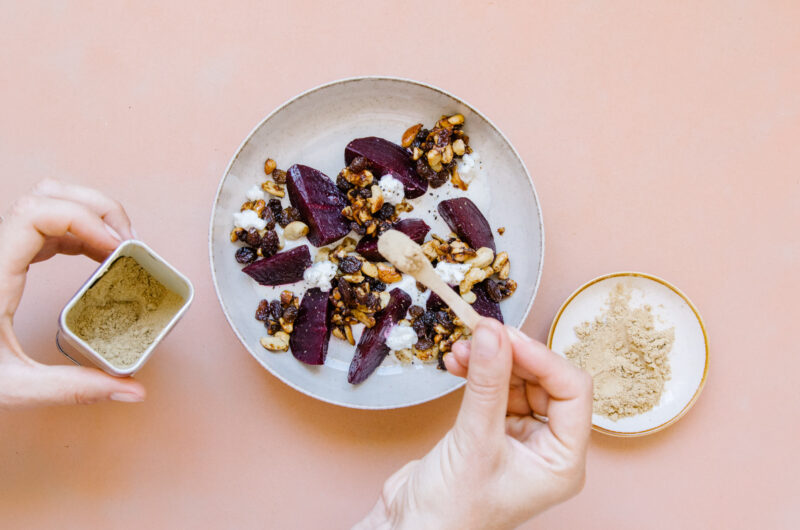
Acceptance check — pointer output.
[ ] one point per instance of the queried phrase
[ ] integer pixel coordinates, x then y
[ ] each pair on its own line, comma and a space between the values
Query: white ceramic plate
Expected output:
313, 129
688, 359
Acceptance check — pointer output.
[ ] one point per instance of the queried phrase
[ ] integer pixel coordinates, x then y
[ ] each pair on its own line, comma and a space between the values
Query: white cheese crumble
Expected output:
248, 219
392, 189
468, 167
452, 273
255, 193
320, 275
401, 337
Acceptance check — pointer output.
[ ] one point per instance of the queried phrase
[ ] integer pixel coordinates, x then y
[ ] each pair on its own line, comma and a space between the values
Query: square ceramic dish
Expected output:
313, 129
77, 349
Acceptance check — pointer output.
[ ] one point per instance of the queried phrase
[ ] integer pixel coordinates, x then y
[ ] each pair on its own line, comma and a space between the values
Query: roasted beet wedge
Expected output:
372, 348
387, 157
309, 340
483, 305
320, 203
464, 218
282, 268
416, 229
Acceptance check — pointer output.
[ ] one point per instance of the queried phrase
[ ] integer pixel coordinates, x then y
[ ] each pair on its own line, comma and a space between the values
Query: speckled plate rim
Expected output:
686, 299
286, 105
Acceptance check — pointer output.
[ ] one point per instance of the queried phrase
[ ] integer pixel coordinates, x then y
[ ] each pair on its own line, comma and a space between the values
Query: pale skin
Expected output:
496, 468
54, 218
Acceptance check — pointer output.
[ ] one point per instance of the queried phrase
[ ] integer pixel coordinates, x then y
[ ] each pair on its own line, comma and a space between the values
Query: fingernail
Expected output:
135, 235
113, 233
126, 398
517, 334
485, 343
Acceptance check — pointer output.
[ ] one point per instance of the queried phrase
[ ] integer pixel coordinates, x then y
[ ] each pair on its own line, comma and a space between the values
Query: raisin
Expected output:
269, 244
358, 229
359, 164
347, 292
253, 238
350, 265
275, 208
275, 309
439, 178
272, 327
373, 303
279, 176
288, 215
290, 314
262, 313
424, 170
385, 212
493, 290
365, 193
415, 311
241, 234
419, 328
245, 255
429, 319
376, 285
342, 183
443, 318
424, 344
444, 137
440, 361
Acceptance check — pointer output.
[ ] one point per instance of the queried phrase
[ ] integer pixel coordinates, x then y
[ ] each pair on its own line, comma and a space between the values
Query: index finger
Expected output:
108, 209
569, 409
32, 219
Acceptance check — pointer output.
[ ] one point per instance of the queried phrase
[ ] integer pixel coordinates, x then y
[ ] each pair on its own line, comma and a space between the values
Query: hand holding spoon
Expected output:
402, 252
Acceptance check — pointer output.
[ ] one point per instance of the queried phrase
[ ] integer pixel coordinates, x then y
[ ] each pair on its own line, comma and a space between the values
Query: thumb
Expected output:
70, 385
483, 410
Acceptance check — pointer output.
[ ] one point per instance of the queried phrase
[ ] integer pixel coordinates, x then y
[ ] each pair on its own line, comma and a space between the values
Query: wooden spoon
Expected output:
402, 252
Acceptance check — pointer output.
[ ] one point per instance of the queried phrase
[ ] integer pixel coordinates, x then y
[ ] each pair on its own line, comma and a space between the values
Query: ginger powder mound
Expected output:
123, 312
627, 357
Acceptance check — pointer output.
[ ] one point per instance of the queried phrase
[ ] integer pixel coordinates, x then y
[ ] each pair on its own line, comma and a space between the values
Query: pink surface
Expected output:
661, 139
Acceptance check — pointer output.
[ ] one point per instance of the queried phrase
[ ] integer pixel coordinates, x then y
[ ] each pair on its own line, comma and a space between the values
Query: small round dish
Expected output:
689, 357
313, 129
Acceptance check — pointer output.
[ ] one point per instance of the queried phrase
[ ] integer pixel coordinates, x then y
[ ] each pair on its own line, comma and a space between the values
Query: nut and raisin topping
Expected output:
355, 298
435, 151
278, 317
368, 212
437, 331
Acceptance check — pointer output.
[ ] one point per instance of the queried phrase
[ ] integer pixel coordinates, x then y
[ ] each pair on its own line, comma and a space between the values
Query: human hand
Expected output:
55, 218
497, 466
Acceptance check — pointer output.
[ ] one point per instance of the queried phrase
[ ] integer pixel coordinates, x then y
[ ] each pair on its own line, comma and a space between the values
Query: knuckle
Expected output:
82, 398
483, 388
23, 205
46, 185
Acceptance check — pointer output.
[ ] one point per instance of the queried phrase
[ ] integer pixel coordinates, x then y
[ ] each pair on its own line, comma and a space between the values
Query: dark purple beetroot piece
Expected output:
464, 218
483, 305
388, 157
372, 348
282, 268
309, 340
416, 229
320, 203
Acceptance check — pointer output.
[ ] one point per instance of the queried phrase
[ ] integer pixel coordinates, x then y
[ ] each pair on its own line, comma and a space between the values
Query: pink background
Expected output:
661, 139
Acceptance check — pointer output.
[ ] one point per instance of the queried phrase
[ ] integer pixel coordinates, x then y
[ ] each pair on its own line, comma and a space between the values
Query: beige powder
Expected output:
123, 312
626, 356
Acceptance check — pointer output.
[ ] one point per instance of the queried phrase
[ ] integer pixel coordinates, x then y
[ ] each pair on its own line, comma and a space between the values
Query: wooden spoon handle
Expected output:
461, 308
